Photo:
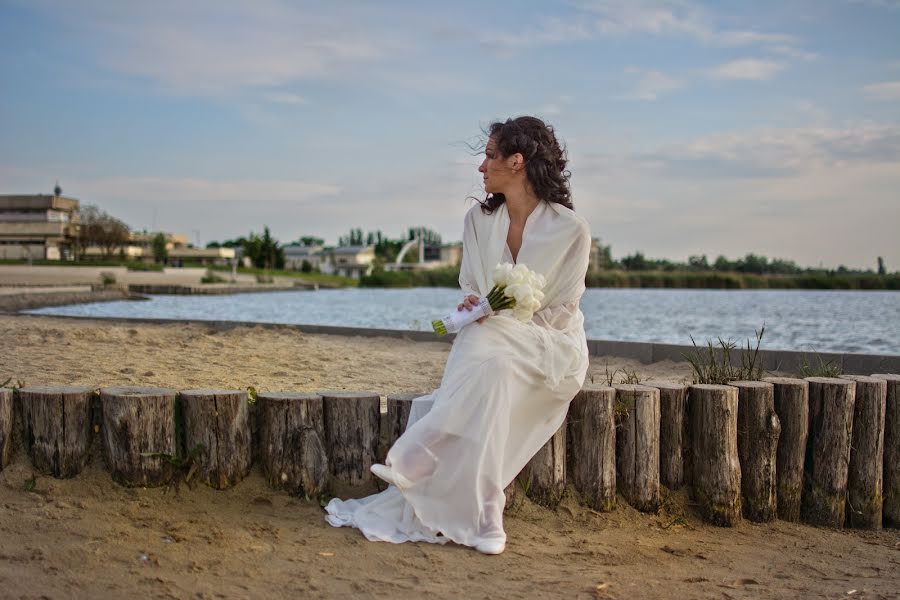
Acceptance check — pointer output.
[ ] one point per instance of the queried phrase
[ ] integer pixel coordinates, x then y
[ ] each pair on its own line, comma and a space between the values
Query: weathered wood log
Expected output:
292, 442
672, 413
218, 421
716, 479
139, 422
398, 407
6, 425
824, 500
866, 470
687, 444
758, 433
891, 482
591, 446
792, 408
544, 477
57, 423
351, 435
637, 445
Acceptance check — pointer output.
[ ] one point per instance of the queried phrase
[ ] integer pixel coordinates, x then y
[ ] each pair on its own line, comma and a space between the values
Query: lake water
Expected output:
823, 321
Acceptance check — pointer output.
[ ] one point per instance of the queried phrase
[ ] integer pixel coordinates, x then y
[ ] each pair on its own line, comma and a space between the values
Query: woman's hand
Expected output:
470, 302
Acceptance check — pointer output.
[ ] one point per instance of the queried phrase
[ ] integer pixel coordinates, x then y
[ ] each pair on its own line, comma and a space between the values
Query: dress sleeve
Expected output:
561, 314
466, 277
557, 317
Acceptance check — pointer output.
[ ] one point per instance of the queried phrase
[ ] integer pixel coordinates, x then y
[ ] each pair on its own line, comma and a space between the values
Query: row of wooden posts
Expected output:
822, 450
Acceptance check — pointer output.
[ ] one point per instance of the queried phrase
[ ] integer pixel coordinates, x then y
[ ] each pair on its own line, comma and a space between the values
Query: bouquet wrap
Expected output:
515, 287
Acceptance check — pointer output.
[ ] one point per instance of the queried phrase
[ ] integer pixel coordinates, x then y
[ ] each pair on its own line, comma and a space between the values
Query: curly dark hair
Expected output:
545, 159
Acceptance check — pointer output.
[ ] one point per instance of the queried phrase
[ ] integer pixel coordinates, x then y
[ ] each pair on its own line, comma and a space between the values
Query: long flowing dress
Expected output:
505, 391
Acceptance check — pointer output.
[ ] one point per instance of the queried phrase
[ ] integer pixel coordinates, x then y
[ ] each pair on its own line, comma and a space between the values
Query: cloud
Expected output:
792, 52
775, 153
285, 98
206, 47
780, 192
545, 32
888, 90
747, 68
652, 84
889, 4
671, 17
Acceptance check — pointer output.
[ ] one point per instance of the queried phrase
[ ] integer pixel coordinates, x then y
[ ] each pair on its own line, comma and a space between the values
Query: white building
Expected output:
295, 256
38, 227
349, 261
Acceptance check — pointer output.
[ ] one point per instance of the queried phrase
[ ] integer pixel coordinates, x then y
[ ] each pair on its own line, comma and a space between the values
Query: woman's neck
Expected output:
520, 203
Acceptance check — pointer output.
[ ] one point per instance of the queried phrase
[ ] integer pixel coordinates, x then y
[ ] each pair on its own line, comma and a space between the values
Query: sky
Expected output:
691, 128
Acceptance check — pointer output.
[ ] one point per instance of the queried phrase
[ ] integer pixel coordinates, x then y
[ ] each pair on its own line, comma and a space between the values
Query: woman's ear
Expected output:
517, 161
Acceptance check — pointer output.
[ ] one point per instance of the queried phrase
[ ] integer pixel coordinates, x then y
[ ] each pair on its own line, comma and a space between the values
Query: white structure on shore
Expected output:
348, 261
38, 227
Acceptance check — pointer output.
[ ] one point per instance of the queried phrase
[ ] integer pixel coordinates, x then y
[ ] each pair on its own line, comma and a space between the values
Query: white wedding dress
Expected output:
505, 391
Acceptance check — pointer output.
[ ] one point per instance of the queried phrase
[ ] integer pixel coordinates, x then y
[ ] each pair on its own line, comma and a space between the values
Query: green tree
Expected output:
160, 252
309, 240
881, 268
635, 262
698, 263
102, 230
723, 264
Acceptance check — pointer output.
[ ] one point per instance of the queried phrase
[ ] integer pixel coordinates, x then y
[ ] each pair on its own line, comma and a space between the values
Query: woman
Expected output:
507, 384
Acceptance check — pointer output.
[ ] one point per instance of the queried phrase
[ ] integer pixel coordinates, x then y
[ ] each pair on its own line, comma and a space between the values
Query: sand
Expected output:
90, 538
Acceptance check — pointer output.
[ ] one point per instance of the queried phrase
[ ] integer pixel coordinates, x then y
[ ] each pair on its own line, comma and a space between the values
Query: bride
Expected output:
507, 384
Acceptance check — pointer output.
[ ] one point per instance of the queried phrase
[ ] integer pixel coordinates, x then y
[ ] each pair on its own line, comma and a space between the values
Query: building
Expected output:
38, 227
430, 257
202, 256
296, 255
349, 261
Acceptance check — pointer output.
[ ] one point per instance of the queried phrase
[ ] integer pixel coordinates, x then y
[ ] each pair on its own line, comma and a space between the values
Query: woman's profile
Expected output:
507, 384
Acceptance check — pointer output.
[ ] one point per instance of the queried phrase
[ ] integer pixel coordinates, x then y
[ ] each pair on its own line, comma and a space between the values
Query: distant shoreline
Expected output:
712, 280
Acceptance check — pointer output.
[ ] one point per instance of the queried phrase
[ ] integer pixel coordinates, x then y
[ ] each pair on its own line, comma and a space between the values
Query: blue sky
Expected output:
716, 128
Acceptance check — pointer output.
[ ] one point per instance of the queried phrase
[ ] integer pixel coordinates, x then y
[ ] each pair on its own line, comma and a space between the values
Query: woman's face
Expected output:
499, 171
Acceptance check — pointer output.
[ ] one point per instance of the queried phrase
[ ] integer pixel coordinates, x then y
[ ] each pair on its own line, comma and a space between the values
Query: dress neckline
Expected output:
528, 221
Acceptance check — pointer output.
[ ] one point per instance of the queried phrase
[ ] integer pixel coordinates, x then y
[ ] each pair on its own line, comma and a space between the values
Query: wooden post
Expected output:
758, 432
671, 429
792, 408
351, 435
544, 477
716, 479
831, 403
866, 469
6, 425
136, 422
891, 506
637, 445
218, 421
591, 440
398, 407
57, 427
292, 442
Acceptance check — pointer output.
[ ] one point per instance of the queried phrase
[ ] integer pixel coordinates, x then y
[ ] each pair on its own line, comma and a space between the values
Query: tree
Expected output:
271, 254
698, 263
723, 264
635, 262
881, 268
604, 255
309, 240
100, 229
753, 264
430, 237
160, 252
354, 239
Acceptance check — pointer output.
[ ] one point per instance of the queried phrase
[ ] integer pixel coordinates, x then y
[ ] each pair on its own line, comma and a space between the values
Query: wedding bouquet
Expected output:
516, 287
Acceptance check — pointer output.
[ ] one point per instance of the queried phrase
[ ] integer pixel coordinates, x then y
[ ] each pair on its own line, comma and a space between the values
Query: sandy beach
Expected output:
90, 538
